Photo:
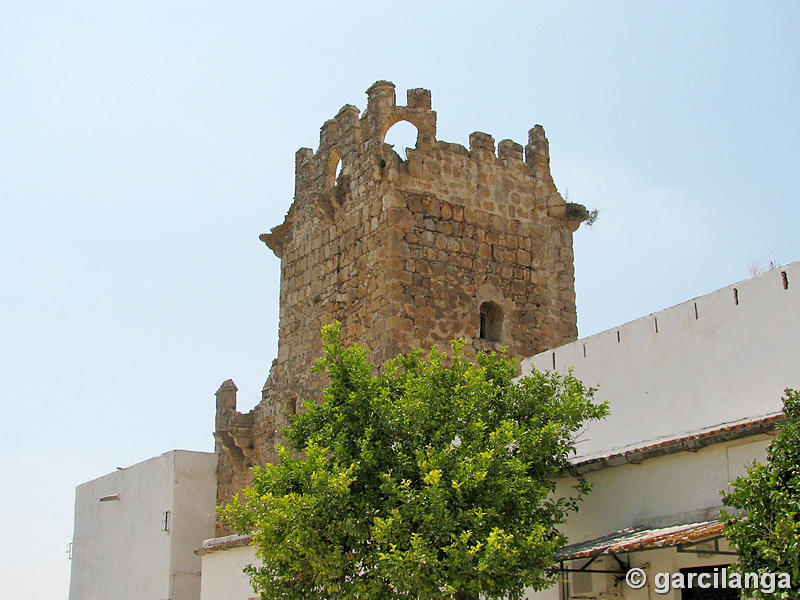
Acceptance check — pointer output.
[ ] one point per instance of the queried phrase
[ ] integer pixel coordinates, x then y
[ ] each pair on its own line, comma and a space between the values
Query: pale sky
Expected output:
145, 145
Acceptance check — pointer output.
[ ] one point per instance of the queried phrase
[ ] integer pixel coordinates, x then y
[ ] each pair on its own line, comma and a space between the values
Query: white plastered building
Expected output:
695, 397
136, 529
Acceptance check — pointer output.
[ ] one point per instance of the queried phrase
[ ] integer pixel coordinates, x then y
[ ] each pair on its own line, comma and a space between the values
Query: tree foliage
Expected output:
765, 523
434, 478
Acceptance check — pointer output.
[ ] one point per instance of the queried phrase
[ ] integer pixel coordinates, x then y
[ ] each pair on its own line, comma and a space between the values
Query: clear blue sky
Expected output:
145, 145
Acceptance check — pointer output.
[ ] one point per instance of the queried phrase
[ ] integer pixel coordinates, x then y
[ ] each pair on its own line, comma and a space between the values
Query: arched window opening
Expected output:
491, 322
333, 167
400, 136
337, 172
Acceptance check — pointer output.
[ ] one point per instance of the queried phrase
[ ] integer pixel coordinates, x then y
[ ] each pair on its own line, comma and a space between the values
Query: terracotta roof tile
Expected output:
637, 539
690, 442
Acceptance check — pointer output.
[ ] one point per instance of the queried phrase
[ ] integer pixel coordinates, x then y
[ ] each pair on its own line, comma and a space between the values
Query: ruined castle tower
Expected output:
452, 242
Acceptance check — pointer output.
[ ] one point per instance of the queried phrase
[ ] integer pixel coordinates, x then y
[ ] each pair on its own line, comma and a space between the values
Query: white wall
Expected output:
194, 501
222, 574
120, 549
731, 362
677, 488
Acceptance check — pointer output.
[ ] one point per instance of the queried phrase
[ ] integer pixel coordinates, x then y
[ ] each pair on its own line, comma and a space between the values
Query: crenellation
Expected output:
302, 156
418, 98
405, 253
381, 95
537, 151
479, 141
509, 152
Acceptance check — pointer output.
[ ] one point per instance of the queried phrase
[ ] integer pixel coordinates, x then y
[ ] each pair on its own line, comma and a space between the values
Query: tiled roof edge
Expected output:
692, 442
660, 538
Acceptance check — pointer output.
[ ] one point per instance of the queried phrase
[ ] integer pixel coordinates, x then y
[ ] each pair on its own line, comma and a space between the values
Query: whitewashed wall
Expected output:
223, 578
194, 502
710, 361
120, 549
677, 488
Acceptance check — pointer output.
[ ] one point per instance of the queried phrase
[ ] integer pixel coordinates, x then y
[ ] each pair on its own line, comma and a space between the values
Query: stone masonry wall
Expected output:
407, 254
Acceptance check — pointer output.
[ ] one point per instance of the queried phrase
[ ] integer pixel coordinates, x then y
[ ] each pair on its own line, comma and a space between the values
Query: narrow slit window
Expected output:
784, 280
491, 322
333, 169
735, 296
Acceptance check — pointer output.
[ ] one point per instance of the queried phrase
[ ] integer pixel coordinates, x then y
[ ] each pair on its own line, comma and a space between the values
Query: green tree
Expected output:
765, 523
434, 478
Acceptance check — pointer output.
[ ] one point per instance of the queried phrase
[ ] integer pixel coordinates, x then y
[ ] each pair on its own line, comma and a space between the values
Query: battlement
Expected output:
356, 142
450, 242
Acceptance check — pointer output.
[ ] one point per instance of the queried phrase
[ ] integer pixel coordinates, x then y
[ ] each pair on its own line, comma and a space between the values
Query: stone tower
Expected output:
451, 242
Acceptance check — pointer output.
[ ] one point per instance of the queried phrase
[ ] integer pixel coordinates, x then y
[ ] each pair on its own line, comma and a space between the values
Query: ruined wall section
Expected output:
483, 227
404, 253
334, 244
